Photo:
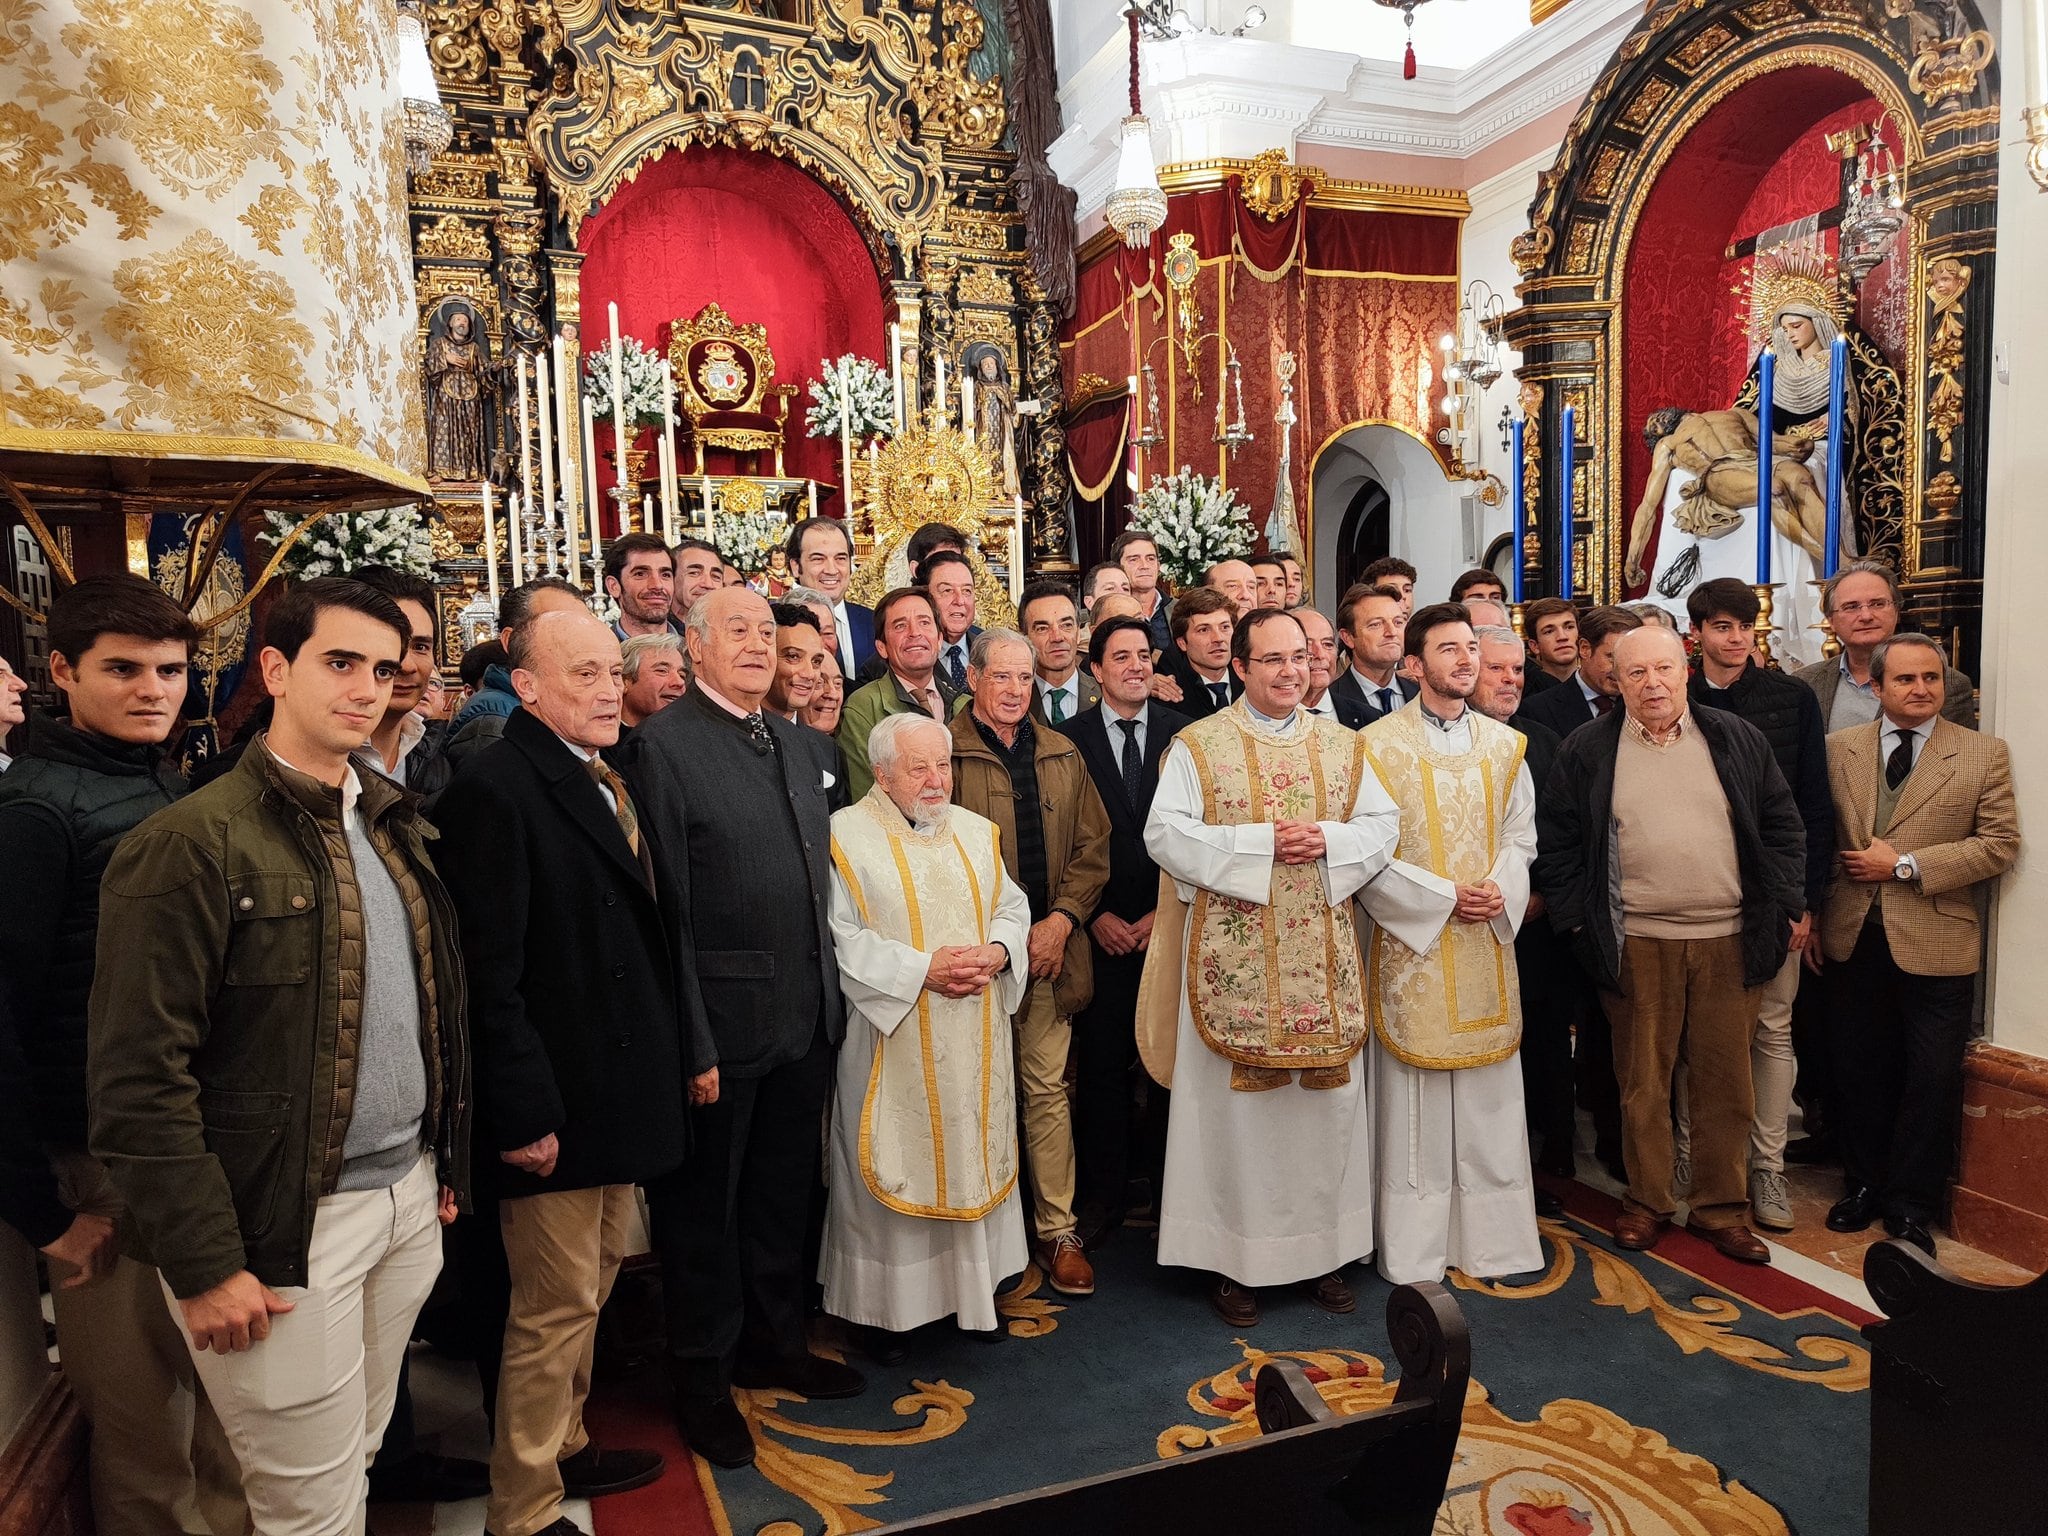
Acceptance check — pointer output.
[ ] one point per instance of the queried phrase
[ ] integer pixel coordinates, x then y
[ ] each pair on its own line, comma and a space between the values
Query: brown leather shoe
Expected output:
1332, 1294
1067, 1268
1736, 1242
1637, 1231
1233, 1303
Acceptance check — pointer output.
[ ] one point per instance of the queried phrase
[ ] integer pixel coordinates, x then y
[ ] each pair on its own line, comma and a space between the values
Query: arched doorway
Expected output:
1377, 489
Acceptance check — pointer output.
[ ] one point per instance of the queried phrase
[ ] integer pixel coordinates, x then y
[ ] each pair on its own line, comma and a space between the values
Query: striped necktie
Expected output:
622, 803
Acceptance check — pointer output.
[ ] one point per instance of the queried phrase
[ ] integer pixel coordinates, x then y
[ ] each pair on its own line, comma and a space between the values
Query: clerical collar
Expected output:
1265, 719
1443, 723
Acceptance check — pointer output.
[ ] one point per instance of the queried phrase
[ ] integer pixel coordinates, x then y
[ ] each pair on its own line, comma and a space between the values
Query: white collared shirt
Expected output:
842, 631
1115, 732
1070, 701
1376, 694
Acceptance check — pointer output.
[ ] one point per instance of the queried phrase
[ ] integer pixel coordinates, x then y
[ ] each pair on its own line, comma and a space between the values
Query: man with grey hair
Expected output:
656, 673
1033, 783
821, 605
932, 936
1863, 605
1487, 613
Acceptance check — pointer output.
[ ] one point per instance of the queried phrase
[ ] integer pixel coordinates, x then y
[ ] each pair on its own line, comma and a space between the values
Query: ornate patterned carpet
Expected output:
1615, 1394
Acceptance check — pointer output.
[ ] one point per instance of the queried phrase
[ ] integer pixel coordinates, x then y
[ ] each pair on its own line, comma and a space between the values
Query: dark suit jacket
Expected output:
742, 847
1195, 700
1351, 714
1346, 690
1133, 888
1563, 708
1958, 697
1541, 751
860, 623
572, 1005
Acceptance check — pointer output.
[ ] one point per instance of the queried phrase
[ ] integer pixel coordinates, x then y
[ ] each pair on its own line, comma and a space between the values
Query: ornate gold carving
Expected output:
960, 109
1877, 484
1795, 278
515, 167
1946, 68
985, 285
1769, 13
1578, 255
985, 231
1531, 248
929, 473
637, 96
1606, 171
1328, 192
1944, 493
742, 498
453, 238
1947, 281
1707, 42
453, 183
979, 325
1272, 187
519, 231
455, 41
1649, 101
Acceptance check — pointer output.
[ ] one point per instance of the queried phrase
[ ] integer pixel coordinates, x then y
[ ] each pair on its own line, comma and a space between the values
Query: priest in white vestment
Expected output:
1451, 1148
931, 934
1265, 823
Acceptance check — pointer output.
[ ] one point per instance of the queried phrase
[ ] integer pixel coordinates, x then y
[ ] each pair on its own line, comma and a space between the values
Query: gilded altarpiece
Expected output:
888, 104
1931, 67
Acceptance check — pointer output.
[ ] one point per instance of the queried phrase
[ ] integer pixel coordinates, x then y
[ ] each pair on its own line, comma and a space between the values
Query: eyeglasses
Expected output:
1292, 658
1876, 605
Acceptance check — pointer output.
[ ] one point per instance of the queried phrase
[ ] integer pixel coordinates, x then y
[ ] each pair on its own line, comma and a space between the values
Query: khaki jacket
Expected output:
1076, 835
1955, 815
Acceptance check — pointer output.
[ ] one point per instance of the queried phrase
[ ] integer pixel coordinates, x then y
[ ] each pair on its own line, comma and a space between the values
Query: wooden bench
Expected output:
1309, 1472
1958, 1399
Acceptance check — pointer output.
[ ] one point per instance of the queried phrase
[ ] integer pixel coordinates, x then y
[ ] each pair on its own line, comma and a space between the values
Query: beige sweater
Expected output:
1679, 876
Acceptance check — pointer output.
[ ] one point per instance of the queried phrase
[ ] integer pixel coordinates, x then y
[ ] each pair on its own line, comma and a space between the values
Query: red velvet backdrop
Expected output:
1758, 160
1359, 298
759, 237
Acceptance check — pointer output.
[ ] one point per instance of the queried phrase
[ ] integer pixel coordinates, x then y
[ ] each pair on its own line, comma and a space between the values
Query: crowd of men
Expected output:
886, 954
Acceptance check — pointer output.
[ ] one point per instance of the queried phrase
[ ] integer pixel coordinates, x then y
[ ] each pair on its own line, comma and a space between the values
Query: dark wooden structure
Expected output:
1311, 1472
1958, 1395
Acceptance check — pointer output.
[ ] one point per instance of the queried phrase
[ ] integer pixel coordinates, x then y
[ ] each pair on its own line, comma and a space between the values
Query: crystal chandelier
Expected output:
1137, 207
429, 128
1163, 21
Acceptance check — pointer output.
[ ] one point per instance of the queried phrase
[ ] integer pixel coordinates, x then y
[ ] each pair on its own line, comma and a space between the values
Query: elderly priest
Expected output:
931, 935
1266, 821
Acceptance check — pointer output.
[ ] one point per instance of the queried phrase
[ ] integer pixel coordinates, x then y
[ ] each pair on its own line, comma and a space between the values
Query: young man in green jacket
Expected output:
276, 1065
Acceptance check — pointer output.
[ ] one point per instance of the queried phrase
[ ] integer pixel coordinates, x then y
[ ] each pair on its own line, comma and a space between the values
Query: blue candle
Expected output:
1838, 386
1567, 447
1766, 393
1517, 501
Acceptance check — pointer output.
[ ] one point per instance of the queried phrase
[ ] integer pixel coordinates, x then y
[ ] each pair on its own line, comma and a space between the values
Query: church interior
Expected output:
290, 284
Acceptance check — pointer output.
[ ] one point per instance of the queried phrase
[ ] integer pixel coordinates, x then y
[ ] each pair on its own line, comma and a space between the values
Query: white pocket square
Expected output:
829, 781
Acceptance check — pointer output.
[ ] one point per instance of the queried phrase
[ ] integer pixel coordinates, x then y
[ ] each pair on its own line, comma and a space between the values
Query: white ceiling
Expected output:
1449, 34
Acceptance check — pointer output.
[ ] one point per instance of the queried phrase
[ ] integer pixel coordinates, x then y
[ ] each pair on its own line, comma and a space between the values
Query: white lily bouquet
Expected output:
341, 541
1194, 522
868, 392
639, 371
745, 540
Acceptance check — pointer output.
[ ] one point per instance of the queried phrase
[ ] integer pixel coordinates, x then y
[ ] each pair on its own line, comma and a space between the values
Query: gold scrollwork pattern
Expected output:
1272, 186
1947, 281
453, 238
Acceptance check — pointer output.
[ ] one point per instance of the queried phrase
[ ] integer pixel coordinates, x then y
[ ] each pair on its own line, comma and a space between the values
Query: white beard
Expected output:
927, 820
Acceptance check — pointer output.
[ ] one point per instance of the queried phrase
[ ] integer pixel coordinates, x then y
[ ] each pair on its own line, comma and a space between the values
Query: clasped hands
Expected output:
964, 970
1297, 842
1480, 903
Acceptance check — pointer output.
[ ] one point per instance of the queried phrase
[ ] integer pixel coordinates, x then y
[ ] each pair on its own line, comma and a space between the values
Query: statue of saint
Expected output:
995, 420
458, 374
1719, 450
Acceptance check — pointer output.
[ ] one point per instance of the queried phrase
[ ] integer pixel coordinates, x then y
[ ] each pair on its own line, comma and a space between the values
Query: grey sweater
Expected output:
383, 1141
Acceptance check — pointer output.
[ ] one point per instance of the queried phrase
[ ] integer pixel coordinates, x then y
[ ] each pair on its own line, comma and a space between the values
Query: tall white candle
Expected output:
707, 505
590, 486
646, 514
668, 433
939, 383
846, 451
525, 430
1017, 553
896, 369
565, 468
619, 428
967, 405
812, 487
490, 542
518, 539
546, 411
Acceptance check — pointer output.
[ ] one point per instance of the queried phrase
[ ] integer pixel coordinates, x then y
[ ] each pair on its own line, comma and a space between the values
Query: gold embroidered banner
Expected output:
203, 242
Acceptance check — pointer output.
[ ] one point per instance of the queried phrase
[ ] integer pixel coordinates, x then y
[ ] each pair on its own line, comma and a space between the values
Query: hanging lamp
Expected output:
1137, 207
1407, 10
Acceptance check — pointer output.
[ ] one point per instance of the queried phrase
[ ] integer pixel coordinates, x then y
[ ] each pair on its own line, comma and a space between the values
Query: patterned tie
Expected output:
1900, 763
1056, 705
622, 803
1133, 761
956, 667
757, 732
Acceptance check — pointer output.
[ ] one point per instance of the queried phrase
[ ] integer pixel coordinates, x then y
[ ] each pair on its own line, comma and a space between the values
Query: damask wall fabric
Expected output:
203, 243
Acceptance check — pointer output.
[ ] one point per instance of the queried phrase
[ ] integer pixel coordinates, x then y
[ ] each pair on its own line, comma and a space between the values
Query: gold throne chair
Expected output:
724, 373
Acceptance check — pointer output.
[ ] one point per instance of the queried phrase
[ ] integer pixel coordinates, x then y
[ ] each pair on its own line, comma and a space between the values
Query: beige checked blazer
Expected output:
1955, 815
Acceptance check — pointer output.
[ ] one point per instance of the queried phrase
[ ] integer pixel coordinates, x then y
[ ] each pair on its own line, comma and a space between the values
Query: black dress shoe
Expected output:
1548, 1206
716, 1431
1908, 1230
812, 1375
1562, 1163
880, 1345
425, 1479
1855, 1211
562, 1527
592, 1473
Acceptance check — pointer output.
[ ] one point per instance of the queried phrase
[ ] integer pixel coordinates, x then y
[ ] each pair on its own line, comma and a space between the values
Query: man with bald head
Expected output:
739, 803
1673, 858
1236, 580
579, 1088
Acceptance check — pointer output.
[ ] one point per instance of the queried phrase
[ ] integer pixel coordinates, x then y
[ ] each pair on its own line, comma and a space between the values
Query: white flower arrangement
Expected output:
745, 540
1194, 522
341, 541
640, 373
869, 393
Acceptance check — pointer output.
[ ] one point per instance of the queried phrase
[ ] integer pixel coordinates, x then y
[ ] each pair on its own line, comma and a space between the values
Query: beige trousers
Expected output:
1773, 1072
1042, 1040
161, 1464
563, 1249
306, 1408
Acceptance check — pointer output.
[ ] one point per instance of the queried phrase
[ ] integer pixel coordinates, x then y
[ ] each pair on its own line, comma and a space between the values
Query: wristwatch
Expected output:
1903, 870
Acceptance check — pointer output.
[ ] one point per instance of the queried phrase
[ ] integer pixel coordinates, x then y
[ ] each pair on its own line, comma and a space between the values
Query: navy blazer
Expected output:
1345, 690
1563, 708
1133, 887
1196, 701
860, 623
